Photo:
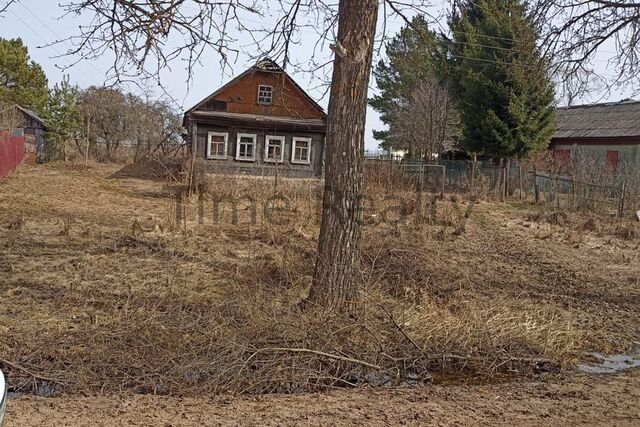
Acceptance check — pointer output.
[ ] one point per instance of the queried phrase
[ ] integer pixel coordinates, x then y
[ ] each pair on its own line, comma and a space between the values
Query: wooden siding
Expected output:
242, 97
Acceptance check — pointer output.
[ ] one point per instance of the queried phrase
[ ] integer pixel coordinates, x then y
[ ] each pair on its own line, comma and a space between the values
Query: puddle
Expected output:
610, 364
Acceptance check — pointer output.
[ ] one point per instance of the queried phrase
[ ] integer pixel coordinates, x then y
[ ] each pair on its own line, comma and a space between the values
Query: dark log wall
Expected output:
259, 167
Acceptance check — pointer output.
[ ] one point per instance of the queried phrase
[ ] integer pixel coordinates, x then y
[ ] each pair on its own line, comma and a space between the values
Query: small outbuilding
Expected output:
260, 123
608, 131
33, 128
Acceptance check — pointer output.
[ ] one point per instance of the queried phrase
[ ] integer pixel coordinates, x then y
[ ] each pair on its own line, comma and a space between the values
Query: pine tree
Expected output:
22, 81
413, 56
63, 117
500, 79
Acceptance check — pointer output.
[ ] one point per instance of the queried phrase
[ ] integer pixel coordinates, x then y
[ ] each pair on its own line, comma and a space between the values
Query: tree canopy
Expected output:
22, 80
500, 78
412, 56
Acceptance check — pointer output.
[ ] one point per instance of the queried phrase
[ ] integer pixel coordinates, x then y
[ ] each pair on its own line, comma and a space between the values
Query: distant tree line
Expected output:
93, 122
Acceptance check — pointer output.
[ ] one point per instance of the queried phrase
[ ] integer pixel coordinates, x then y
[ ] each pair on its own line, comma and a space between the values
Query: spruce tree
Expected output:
500, 79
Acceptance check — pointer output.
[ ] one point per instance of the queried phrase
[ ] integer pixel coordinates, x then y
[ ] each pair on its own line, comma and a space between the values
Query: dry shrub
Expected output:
553, 218
220, 308
250, 334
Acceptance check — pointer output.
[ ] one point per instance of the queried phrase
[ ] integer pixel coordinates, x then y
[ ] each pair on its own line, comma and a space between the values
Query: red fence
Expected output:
11, 153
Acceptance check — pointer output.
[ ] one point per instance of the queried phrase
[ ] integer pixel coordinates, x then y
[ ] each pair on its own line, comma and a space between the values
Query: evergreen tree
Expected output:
413, 56
22, 81
500, 79
63, 117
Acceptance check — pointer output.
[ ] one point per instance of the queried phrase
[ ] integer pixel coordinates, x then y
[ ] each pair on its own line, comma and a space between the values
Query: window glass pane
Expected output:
246, 147
301, 151
216, 145
274, 149
265, 94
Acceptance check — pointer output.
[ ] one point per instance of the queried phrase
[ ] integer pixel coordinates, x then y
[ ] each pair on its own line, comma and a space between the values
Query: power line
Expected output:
59, 39
45, 41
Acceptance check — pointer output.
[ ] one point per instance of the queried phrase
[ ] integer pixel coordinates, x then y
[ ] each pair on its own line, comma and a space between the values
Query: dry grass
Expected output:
96, 303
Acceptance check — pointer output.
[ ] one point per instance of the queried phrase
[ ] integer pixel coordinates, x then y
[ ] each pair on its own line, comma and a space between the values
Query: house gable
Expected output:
240, 95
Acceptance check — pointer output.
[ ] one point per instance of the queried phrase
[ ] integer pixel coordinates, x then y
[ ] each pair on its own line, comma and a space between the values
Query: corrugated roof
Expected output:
620, 119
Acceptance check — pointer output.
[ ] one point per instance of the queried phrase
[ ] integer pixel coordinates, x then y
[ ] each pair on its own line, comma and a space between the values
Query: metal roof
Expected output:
619, 119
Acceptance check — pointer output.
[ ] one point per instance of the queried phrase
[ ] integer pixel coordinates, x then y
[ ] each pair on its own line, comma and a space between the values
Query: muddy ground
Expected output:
582, 400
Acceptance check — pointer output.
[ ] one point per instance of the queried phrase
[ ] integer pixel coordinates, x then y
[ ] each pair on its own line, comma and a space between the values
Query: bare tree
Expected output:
4, 5
576, 31
110, 119
427, 122
10, 117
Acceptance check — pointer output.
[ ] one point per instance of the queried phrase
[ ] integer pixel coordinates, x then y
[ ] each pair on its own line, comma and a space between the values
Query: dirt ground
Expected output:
595, 400
103, 295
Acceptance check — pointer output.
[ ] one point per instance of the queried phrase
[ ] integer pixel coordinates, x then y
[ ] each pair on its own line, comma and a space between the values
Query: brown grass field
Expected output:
103, 292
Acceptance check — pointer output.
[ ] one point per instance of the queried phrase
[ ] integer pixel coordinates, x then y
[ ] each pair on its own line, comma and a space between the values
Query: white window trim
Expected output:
254, 137
266, 148
226, 141
297, 139
259, 90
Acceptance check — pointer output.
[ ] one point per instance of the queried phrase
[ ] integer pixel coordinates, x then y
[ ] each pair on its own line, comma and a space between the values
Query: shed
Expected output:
610, 131
33, 128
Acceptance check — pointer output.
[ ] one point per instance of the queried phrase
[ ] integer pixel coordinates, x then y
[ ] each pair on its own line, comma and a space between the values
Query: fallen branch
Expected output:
28, 372
310, 351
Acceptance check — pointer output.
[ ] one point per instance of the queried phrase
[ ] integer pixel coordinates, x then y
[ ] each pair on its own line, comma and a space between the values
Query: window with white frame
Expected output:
273, 148
301, 150
246, 147
265, 94
217, 145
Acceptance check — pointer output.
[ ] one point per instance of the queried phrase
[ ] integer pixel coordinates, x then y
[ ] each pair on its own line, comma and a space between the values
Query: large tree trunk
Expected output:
335, 284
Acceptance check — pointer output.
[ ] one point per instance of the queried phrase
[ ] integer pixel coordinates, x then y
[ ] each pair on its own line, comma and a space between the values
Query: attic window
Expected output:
265, 94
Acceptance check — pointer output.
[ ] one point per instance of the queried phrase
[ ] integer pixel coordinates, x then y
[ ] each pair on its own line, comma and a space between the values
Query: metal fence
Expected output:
564, 192
515, 179
11, 153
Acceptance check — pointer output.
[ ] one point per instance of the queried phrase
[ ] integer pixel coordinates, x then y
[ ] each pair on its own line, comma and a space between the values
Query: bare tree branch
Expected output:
576, 32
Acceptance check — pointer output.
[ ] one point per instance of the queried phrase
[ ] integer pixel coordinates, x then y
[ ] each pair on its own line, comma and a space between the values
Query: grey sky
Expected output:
38, 23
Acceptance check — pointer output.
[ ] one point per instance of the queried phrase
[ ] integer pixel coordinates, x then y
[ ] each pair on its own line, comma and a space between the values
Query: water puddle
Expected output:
610, 364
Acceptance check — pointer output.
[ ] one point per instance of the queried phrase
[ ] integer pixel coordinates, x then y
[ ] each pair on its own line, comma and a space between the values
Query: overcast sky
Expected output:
39, 23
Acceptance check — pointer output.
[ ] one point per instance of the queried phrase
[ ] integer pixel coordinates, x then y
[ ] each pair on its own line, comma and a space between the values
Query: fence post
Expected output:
444, 173
419, 198
573, 194
536, 189
473, 172
557, 182
520, 180
503, 189
390, 170
622, 196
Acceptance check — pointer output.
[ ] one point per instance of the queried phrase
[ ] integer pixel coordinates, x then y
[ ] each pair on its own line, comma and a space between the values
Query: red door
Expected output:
612, 160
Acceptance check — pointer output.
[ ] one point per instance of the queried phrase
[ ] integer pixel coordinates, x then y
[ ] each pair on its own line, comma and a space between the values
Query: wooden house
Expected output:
260, 123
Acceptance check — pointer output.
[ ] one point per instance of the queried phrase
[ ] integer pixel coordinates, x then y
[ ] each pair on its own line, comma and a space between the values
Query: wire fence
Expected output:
567, 193
503, 180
